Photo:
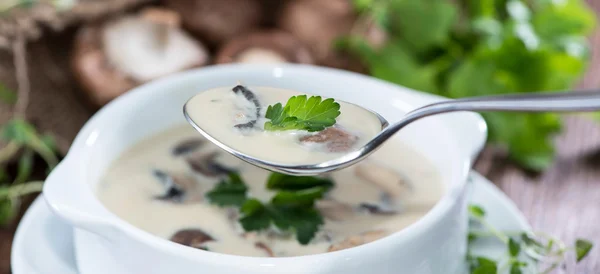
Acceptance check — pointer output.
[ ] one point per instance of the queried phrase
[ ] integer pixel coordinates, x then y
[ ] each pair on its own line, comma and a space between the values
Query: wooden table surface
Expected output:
563, 201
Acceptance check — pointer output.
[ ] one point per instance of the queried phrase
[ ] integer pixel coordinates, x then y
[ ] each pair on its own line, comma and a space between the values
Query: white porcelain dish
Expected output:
434, 244
45, 244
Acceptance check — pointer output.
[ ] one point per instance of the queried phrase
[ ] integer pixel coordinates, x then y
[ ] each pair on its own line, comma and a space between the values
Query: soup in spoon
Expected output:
281, 126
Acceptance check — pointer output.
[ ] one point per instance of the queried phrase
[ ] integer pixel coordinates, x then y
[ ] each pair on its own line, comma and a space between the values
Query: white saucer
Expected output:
44, 244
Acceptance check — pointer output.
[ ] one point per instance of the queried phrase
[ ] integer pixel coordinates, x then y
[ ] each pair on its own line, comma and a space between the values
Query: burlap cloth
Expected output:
55, 106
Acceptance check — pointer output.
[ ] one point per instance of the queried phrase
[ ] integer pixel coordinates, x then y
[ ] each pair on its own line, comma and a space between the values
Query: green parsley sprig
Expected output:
302, 113
522, 249
292, 208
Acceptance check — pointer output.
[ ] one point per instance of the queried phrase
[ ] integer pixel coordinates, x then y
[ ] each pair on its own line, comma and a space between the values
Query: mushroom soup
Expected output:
179, 186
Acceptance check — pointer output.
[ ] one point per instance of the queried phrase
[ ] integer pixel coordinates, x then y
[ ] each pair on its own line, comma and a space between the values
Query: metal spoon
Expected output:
577, 101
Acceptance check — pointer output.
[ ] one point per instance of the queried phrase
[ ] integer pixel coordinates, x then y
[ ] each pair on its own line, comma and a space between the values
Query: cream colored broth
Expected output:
217, 111
130, 190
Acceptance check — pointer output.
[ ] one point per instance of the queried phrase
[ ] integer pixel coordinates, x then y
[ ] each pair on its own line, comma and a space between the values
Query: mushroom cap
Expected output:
146, 50
317, 23
114, 56
100, 81
217, 21
264, 46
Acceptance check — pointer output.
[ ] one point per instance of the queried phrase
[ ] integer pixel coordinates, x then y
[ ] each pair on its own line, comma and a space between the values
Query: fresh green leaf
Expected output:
476, 211
6, 95
515, 268
396, 64
304, 221
19, 131
484, 266
279, 181
556, 21
582, 248
303, 113
7, 210
471, 237
25, 166
255, 217
299, 198
230, 192
423, 24
514, 248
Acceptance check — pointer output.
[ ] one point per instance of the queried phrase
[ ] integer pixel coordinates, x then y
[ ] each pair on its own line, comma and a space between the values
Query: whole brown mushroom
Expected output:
217, 21
269, 46
112, 57
318, 23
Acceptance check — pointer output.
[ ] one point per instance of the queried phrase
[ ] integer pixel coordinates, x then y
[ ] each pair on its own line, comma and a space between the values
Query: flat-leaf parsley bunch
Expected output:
483, 47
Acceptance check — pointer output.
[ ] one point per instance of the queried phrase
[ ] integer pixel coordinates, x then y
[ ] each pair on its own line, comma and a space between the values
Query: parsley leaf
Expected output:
256, 216
484, 265
476, 211
423, 23
230, 192
299, 198
514, 248
472, 47
582, 248
302, 113
279, 181
302, 220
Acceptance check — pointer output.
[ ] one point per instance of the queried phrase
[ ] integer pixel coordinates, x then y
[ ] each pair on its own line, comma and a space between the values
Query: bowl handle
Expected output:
72, 200
471, 130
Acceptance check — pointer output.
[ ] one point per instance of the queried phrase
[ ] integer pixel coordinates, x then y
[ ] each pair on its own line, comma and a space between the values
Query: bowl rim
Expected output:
428, 220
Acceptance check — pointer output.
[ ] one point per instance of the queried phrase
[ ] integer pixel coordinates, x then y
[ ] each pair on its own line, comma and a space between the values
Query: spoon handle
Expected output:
576, 101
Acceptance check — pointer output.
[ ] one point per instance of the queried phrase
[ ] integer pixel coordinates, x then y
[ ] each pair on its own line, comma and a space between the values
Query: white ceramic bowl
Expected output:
434, 244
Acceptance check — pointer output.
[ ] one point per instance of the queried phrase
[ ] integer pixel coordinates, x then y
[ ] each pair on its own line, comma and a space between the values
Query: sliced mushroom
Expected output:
336, 139
178, 189
206, 164
387, 179
218, 20
378, 209
335, 210
192, 237
264, 47
360, 239
187, 146
112, 57
266, 248
250, 110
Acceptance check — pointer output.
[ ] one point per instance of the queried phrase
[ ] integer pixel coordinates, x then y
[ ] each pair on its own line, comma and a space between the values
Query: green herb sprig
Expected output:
523, 249
477, 47
302, 113
291, 208
23, 143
